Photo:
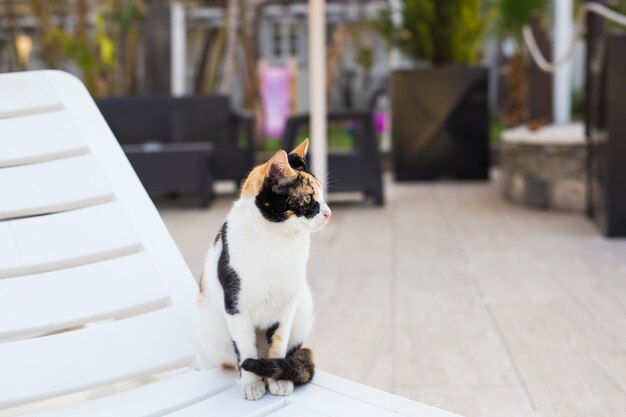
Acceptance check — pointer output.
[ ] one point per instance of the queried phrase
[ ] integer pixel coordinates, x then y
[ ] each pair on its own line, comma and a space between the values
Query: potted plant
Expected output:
440, 118
512, 16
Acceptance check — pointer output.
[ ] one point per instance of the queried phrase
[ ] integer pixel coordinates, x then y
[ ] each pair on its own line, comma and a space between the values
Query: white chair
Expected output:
97, 305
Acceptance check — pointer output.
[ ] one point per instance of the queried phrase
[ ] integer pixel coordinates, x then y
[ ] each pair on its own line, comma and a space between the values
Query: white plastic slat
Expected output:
154, 399
230, 404
142, 214
39, 137
67, 239
329, 402
37, 304
53, 186
46, 367
332, 392
23, 95
9, 254
294, 410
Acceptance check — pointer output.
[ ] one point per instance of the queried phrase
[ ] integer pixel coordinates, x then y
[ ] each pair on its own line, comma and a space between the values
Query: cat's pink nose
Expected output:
328, 213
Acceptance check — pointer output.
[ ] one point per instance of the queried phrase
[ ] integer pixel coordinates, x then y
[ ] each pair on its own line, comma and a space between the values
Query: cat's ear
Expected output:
301, 149
278, 169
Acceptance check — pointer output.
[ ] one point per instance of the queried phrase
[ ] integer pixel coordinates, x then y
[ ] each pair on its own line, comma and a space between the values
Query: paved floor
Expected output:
455, 298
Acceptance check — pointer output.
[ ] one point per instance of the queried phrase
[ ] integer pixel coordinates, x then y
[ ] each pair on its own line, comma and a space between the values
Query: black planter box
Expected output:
607, 136
440, 125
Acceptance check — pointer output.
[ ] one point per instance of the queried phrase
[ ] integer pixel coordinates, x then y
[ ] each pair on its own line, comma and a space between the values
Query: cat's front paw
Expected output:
280, 387
253, 390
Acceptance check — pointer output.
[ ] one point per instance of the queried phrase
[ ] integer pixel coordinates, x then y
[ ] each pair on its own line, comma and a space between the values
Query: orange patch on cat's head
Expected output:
301, 149
277, 165
284, 189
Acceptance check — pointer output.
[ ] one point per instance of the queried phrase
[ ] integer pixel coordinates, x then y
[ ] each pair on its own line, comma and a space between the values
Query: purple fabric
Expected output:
275, 96
381, 121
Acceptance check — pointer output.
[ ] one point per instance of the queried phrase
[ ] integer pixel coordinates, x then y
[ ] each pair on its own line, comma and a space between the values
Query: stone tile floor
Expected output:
455, 298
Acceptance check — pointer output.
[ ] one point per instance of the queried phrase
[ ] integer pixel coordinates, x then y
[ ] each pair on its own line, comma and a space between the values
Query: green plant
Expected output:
439, 31
122, 20
93, 53
496, 127
103, 43
513, 15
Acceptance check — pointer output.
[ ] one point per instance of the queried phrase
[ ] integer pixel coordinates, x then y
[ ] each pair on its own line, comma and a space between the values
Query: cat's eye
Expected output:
307, 199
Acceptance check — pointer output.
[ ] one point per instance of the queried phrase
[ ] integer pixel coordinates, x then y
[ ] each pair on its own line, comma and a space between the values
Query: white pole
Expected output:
232, 12
562, 78
317, 88
395, 57
178, 48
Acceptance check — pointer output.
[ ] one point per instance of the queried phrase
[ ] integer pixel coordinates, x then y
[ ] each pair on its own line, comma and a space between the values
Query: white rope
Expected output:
536, 53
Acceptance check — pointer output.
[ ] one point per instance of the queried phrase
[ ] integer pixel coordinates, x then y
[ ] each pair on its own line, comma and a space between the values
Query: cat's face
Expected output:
284, 191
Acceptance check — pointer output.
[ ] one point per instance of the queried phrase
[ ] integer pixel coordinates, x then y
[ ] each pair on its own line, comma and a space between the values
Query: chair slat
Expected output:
328, 402
67, 239
9, 254
294, 410
27, 95
375, 397
153, 399
39, 137
230, 404
53, 186
36, 304
45, 367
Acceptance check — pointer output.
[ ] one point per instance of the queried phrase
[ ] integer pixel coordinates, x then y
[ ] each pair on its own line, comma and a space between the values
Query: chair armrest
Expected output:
349, 114
242, 118
245, 120
296, 120
333, 115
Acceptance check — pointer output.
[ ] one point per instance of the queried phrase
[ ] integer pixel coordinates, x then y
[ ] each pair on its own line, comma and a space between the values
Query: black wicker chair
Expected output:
180, 144
356, 169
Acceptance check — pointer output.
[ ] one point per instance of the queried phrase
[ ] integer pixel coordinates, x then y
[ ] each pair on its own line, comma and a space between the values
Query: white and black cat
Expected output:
255, 305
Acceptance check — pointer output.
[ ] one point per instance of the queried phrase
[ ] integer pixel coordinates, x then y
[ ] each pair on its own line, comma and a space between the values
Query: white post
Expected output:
317, 88
228, 77
177, 48
395, 56
562, 78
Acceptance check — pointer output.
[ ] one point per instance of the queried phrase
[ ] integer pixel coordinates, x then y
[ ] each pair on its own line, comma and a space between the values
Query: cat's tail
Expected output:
297, 367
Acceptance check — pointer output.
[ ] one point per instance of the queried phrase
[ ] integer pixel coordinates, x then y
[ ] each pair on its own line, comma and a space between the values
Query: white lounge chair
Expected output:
94, 292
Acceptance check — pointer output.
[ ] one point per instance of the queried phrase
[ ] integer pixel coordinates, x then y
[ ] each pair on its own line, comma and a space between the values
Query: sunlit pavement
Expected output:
455, 298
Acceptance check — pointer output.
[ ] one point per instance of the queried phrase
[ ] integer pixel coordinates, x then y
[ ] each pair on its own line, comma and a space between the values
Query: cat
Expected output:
255, 306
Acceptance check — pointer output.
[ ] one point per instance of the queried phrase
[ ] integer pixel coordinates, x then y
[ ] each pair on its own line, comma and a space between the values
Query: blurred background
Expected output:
473, 152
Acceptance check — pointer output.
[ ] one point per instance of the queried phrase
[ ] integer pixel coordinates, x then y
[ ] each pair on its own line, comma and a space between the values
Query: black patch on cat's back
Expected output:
228, 277
218, 236
269, 333
238, 356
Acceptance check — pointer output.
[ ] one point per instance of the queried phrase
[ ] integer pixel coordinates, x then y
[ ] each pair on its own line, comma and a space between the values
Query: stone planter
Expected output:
545, 169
